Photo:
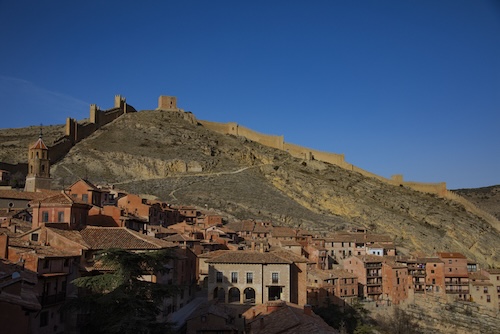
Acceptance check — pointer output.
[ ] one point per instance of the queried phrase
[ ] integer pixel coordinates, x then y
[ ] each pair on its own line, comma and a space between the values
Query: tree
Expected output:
400, 323
119, 300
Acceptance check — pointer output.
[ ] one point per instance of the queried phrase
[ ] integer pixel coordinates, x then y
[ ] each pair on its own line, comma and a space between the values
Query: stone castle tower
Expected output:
38, 167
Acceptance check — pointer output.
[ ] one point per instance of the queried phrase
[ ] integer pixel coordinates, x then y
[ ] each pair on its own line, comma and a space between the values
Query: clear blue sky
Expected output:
399, 87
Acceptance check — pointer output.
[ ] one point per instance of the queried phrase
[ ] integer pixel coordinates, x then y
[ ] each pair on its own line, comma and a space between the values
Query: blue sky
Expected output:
399, 87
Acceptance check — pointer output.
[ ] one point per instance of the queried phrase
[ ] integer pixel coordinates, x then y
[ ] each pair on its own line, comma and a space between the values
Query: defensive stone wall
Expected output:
305, 153
76, 131
311, 154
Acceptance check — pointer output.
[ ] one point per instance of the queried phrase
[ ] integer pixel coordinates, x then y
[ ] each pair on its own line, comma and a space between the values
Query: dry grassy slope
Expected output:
487, 198
14, 142
148, 153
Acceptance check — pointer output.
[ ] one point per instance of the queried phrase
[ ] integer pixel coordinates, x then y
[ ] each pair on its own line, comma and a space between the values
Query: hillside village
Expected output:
235, 276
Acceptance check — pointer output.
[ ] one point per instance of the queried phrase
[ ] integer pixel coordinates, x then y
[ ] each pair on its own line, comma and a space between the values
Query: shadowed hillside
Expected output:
171, 156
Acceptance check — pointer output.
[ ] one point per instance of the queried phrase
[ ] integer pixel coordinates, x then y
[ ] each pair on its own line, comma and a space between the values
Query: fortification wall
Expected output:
217, 127
59, 149
267, 140
76, 131
238, 130
305, 153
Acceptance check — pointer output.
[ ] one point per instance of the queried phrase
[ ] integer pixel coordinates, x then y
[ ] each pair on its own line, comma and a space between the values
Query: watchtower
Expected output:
167, 103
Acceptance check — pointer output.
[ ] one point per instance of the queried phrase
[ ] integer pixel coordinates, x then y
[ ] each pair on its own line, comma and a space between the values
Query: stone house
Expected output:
54, 270
335, 286
214, 318
18, 300
456, 275
257, 277
395, 281
85, 192
482, 290
426, 275
493, 276
60, 209
284, 317
368, 269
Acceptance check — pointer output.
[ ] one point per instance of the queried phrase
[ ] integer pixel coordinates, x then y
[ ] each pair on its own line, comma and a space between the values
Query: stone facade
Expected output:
256, 277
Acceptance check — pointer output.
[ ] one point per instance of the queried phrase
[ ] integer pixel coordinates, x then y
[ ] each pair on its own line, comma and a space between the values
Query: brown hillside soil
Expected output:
169, 155
487, 198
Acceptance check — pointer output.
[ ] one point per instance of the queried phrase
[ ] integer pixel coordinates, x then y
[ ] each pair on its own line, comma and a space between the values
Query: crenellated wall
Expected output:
76, 131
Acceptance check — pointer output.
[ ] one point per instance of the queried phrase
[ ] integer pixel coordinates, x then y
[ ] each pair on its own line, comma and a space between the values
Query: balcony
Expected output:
52, 299
373, 291
418, 273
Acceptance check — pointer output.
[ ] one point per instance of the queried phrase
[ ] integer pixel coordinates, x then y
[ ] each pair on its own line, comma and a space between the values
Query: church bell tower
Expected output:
38, 166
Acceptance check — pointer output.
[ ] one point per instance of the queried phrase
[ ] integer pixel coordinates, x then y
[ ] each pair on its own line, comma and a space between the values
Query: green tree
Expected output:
119, 301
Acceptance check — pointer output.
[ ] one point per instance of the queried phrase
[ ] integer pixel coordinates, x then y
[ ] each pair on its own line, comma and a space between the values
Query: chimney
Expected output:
4, 246
307, 309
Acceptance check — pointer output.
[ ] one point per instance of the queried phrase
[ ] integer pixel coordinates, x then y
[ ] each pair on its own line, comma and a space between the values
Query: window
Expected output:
488, 298
44, 319
219, 277
85, 198
275, 278
45, 216
485, 290
449, 261
432, 271
60, 216
249, 278
34, 237
234, 277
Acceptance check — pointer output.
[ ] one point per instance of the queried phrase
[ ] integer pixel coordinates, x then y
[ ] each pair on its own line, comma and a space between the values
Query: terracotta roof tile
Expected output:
249, 257
282, 231
446, 255
285, 318
26, 195
39, 144
120, 237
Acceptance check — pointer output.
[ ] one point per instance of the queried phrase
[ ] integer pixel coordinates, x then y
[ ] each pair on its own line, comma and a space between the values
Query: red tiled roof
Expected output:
249, 257
282, 231
283, 317
247, 226
39, 144
26, 195
98, 238
120, 237
445, 255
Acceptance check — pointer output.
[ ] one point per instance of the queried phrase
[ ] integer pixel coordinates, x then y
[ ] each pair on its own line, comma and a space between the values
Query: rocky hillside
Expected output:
487, 198
170, 156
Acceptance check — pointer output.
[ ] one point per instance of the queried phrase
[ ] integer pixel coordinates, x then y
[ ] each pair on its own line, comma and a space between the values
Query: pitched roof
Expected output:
249, 257
97, 238
283, 317
282, 231
120, 237
445, 255
39, 144
26, 195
